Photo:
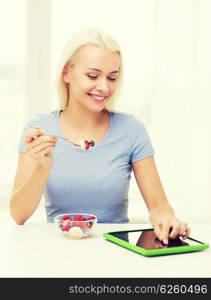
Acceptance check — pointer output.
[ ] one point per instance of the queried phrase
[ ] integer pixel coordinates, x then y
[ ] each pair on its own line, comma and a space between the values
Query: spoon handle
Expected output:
60, 137
63, 138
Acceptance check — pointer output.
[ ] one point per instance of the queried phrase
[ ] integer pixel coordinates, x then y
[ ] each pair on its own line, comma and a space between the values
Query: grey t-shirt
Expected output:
96, 180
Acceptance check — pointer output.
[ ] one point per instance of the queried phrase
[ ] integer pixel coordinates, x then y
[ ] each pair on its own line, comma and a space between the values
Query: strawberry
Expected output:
91, 218
79, 218
87, 145
66, 218
66, 224
66, 227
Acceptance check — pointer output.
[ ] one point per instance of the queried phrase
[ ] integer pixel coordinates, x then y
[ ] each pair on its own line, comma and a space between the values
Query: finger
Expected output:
183, 228
186, 234
157, 231
159, 245
41, 147
39, 141
165, 232
34, 132
176, 228
33, 147
43, 139
44, 152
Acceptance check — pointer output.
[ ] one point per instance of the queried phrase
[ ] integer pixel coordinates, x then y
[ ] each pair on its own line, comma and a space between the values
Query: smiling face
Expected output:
93, 78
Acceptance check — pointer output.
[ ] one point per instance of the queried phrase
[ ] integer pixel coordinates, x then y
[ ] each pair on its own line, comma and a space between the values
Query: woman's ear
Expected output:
66, 74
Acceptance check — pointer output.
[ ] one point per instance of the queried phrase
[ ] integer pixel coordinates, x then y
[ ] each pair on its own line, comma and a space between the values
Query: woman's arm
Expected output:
162, 216
31, 175
28, 188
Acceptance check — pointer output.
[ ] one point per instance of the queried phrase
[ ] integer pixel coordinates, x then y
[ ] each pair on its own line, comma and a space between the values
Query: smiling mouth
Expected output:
97, 98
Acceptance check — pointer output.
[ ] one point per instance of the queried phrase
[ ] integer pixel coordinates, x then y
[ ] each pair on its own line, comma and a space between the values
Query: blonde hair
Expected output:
82, 38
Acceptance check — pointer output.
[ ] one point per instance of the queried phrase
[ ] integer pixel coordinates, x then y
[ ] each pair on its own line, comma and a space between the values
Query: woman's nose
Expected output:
102, 86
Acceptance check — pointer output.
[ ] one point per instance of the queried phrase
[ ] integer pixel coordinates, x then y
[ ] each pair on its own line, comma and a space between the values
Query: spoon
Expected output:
84, 144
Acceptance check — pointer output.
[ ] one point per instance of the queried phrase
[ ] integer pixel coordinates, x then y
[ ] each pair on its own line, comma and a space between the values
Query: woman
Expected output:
95, 180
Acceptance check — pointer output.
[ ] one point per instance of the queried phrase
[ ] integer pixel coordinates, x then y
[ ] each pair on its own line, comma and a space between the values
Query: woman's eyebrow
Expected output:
98, 70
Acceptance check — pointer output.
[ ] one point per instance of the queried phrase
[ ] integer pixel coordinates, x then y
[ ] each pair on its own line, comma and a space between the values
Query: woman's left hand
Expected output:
167, 226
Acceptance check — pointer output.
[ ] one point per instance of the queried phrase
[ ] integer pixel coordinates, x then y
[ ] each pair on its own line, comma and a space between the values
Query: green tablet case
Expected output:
153, 252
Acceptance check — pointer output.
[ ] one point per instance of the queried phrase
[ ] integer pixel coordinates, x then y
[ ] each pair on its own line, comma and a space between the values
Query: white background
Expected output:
166, 47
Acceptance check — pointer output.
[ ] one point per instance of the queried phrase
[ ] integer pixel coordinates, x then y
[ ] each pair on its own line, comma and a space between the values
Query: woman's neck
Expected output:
82, 120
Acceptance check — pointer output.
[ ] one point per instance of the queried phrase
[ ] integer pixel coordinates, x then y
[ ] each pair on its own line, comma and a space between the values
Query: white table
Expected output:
38, 250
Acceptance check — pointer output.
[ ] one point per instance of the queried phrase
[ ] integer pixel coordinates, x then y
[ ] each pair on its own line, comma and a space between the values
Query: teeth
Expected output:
97, 97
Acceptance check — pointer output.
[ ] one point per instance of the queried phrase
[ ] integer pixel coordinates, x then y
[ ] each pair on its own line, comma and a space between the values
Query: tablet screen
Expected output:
148, 240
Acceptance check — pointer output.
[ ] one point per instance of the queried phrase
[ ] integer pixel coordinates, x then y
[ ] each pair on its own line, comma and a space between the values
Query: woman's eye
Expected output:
92, 77
95, 77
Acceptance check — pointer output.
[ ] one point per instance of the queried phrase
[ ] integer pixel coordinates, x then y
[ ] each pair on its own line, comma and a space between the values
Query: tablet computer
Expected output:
145, 242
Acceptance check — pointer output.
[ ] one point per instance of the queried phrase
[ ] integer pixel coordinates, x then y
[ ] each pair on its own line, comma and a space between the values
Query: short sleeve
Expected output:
141, 146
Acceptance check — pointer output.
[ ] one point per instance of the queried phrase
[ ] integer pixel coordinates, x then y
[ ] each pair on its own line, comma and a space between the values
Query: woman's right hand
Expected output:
39, 146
